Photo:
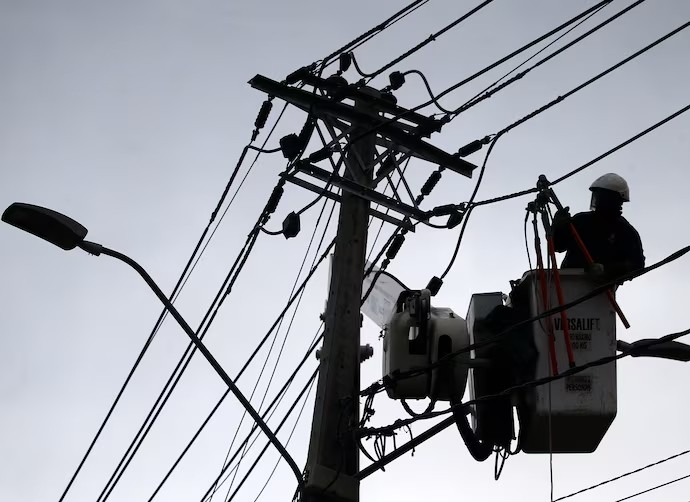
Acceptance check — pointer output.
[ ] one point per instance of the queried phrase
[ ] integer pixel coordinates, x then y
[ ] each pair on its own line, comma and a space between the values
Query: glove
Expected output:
562, 217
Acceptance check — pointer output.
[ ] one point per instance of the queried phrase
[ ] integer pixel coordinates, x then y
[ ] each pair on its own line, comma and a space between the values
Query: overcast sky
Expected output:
129, 116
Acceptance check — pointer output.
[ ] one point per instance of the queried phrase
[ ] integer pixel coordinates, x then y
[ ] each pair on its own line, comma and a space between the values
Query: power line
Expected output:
182, 280
630, 473
294, 427
654, 488
277, 429
587, 164
379, 28
594, 79
268, 413
294, 297
486, 69
495, 87
427, 41
523, 48
182, 364
294, 313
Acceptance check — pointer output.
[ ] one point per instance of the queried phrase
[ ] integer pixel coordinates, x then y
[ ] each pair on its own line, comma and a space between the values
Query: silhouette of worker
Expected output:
612, 242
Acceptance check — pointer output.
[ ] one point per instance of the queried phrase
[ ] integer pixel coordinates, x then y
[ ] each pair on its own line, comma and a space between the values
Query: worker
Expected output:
612, 242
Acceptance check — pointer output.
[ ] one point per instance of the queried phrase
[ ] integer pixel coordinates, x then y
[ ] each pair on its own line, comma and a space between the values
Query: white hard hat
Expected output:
613, 182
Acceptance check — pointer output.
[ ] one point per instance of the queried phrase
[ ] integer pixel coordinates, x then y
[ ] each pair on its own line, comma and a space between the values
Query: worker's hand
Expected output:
562, 216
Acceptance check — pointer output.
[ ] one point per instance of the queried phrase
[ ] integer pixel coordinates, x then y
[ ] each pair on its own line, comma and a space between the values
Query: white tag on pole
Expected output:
380, 304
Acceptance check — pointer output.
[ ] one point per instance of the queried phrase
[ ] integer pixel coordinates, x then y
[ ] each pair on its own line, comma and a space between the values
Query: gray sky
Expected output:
129, 116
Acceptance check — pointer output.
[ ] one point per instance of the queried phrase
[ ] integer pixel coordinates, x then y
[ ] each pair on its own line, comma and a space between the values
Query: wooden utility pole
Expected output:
332, 471
333, 460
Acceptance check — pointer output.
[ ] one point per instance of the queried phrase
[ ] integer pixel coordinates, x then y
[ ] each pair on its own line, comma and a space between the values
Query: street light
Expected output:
67, 234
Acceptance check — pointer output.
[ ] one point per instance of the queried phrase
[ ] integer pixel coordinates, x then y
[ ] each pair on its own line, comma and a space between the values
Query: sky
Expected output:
130, 116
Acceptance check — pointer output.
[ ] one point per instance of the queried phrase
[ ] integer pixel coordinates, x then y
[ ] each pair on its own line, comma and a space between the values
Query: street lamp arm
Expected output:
98, 249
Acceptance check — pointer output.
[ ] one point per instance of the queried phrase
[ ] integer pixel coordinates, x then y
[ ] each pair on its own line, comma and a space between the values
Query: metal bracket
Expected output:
406, 224
395, 132
362, 191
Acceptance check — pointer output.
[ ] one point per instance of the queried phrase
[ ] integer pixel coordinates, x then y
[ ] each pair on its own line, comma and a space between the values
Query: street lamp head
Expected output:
45, 223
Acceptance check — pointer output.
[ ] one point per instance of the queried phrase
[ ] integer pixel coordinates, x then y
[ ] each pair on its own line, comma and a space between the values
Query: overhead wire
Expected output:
587, 83
294, 313
182, 280
299, 300
484, 70
268, 413
584, 166
498, 85
662, 485
624, 475
376, 30
516, 52
203, 328
261, 343
307, 387
470, 204
428, 40
294, 427
493, 88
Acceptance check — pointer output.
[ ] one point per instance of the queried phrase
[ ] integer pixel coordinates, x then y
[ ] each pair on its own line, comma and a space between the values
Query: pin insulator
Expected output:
397, 80
345, 60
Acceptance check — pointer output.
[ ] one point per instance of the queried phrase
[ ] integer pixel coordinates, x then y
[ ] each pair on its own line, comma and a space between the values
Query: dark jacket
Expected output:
609, 238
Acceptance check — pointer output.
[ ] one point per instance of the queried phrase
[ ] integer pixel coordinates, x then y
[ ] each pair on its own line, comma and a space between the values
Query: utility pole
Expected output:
332, 471
333, 460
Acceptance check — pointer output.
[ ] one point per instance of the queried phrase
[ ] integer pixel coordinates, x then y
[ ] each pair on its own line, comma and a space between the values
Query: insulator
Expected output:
345, 60
397, 79
431, 183
395, 246
262, 116
273, 201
